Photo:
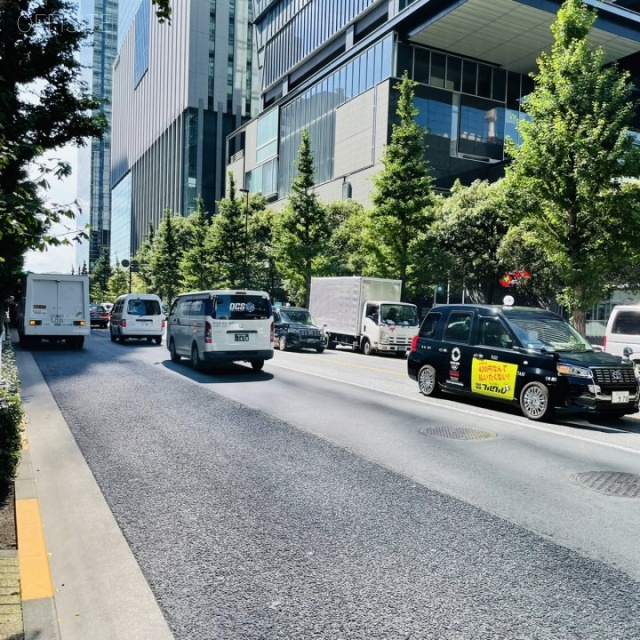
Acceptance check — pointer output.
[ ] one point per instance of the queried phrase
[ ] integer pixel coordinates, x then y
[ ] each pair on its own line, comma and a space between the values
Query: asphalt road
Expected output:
306, 502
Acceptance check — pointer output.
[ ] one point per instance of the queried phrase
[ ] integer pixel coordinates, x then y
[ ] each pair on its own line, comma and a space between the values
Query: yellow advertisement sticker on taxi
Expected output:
495, 379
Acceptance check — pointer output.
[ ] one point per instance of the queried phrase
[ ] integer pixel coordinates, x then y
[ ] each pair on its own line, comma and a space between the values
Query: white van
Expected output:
623, 330
137, 315
221, 326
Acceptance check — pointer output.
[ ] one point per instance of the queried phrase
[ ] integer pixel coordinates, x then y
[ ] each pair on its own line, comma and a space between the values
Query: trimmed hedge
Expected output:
11, 417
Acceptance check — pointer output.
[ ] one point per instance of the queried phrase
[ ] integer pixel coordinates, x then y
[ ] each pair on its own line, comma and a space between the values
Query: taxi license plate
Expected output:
242, 337
619, 396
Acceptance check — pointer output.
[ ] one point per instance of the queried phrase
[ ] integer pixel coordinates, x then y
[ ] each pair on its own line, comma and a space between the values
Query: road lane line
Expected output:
527, 424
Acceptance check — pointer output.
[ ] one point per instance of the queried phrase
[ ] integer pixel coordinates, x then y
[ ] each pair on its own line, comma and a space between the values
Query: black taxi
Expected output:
525, 356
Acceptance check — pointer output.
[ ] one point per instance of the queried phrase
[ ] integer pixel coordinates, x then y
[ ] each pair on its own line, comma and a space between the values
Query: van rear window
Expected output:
143, 308
627, 322
239, 307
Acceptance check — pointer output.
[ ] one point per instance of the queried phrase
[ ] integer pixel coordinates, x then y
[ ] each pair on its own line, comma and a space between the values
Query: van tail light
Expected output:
604, 344
123, 322
164, 324
273, 332
414, 342
207, 333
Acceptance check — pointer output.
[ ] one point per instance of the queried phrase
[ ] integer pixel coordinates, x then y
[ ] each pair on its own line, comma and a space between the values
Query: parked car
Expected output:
531, 358
99, 315
623, 332
295, 329
107, 305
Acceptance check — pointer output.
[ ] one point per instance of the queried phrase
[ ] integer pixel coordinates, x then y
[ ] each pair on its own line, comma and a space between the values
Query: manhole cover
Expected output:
458, 433
611, 483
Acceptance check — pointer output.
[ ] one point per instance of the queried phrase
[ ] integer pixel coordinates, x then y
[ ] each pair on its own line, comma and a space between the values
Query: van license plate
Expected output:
242, 337
619, 396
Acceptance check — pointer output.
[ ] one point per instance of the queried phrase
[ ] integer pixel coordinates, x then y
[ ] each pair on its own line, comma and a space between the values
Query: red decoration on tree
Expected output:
514, 278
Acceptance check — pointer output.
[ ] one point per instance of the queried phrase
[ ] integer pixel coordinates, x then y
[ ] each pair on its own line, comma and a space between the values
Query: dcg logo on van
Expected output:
242, 306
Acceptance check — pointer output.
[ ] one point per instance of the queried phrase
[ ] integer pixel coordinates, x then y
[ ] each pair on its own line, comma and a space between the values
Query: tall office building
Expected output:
94, 159
178, 91
330, 66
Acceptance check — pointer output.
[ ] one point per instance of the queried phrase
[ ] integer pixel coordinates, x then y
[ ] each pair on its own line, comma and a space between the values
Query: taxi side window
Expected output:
458, 328
429, 325
493, 334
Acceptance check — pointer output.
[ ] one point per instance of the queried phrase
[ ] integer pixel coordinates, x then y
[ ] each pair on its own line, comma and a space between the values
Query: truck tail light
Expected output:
35, 323
414, 342
79, 323
207, 333
123, 322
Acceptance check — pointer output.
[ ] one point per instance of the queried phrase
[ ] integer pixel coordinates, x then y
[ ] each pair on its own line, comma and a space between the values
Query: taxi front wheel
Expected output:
535, 402
427, 381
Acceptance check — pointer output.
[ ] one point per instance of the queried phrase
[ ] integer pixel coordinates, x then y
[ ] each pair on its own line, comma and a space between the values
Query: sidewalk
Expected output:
78, 577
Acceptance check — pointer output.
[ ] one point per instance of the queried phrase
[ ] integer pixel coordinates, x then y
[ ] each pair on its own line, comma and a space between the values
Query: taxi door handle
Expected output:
478, 355
441, 350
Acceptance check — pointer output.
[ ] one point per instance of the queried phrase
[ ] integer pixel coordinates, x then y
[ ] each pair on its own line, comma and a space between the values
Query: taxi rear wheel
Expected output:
535, 402
427, 381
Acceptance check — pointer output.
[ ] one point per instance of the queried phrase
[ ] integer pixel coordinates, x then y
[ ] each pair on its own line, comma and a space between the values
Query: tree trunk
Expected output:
578, 320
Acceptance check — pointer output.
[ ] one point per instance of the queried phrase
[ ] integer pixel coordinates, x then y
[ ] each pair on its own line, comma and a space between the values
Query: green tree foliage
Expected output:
196, 265
402, 197
303, 229
165, 261
261, 263
471, 225
163, 10
569, 171
143, 257
11, 416
226, 241
43, 106
118, 283
100, 277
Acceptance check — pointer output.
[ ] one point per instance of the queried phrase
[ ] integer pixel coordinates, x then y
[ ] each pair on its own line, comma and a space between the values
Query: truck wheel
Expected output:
367, 349
282, 343
78, 342
257, 365
172, 350
331, 344
535, 402
319, 349
427, 381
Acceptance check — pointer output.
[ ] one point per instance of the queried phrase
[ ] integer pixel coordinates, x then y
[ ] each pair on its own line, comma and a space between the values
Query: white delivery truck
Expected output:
364, 313
54, 307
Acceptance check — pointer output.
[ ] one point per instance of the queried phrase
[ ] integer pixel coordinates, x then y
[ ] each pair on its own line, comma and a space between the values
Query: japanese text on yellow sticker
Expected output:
495, 379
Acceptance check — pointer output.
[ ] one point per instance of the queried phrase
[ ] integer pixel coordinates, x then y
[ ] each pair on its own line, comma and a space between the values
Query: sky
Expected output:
58, 259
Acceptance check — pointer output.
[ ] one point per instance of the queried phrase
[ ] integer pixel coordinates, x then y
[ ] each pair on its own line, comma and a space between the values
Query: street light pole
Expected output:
246, 234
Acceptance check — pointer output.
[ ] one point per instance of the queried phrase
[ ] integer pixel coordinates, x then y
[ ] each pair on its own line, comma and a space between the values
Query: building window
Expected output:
141, 56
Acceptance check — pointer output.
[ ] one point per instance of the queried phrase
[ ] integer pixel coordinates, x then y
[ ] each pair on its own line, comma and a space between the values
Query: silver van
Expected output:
139, 316
623, 330
221, 326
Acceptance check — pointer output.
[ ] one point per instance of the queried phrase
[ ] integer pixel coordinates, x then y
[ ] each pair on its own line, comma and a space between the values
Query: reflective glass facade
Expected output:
121, 221
292, 29
141, 60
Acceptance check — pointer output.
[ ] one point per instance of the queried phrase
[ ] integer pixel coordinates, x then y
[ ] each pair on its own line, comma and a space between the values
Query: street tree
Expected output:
43, 106
118, 282
570, 170
165, 261
470, 227
100, 275
227, 242
402, 196
143, 258
303, 229
196, 260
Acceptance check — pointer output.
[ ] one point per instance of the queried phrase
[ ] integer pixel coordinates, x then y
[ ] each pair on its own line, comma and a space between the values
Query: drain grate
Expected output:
611, 483
458, 433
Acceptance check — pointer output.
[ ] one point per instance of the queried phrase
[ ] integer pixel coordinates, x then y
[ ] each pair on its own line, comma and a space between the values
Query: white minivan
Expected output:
623, 330
221, 326
138, 316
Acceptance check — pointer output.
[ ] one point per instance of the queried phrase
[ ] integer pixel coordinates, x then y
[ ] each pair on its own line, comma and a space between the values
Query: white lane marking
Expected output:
522, 423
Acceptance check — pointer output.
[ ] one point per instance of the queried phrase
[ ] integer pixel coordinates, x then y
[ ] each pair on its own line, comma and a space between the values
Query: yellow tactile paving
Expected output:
35, 575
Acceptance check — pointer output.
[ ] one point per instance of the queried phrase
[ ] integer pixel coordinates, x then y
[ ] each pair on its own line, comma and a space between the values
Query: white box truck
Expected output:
54, 307
364, 313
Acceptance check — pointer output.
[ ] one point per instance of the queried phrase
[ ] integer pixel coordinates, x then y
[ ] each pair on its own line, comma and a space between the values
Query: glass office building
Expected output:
179, 90
330, 66
94, 159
